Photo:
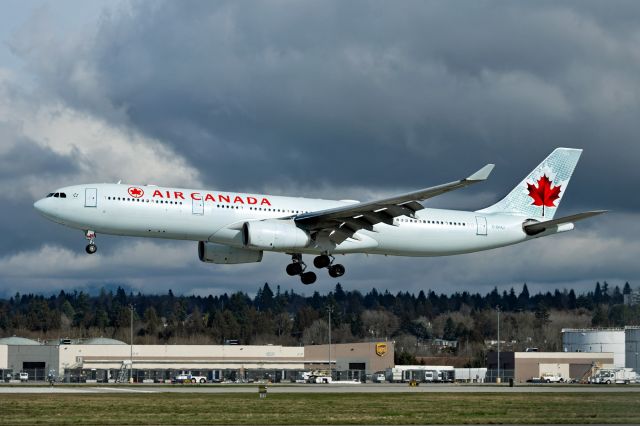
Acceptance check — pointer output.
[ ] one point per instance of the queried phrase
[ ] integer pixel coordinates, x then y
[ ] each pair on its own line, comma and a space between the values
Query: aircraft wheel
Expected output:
308, 278
294, 268
91, 248
336, 270
321, 261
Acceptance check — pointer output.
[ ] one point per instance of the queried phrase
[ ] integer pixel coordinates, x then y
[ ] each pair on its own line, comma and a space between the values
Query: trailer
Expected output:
470, 375
420, 373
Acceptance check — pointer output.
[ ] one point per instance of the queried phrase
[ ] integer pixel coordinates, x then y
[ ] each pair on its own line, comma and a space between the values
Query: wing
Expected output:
341, 223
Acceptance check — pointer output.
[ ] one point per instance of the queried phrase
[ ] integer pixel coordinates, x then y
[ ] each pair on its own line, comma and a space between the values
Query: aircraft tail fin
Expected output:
540, 192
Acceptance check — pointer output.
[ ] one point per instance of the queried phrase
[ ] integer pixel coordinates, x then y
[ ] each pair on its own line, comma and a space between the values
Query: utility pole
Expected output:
498, 309
330, 310
131, 346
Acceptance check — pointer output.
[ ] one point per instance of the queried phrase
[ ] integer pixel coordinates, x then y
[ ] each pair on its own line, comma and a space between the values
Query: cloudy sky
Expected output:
330, 99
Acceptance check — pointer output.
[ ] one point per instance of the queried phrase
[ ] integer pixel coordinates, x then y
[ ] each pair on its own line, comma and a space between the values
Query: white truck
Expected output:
551, 378
189, 378
316, 376
320, 379
614, 375
378, 377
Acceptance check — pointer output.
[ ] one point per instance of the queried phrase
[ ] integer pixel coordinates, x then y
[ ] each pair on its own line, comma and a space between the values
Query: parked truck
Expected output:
614, 375
189, 378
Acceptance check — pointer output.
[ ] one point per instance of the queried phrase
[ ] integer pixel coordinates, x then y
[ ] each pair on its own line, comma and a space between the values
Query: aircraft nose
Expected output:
40, 206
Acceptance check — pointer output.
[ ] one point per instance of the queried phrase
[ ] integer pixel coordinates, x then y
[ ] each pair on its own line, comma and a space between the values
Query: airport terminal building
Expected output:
108, 360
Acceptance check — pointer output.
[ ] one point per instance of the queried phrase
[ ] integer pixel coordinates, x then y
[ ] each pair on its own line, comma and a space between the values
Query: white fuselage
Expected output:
217, 217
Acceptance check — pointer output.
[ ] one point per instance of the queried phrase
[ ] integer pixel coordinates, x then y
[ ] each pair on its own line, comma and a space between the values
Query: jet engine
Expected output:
219, 253
274, 235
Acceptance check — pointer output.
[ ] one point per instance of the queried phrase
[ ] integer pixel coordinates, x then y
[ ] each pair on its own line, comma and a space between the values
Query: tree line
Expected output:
290, 318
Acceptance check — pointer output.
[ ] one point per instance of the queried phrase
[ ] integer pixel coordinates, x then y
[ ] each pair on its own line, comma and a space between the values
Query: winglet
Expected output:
483, 173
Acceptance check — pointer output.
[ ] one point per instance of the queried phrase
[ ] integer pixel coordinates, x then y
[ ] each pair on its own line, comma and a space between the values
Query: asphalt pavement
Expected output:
316, 388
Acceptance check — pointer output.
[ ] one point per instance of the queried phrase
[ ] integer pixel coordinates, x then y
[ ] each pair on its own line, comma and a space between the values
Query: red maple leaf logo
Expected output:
136, 192
543, 194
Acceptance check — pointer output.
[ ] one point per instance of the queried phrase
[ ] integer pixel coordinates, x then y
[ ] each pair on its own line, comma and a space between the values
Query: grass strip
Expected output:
305, 409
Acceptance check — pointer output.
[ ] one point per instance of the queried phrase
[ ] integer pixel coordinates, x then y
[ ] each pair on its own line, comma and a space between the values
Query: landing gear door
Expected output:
481, 223
91, 197
197, 207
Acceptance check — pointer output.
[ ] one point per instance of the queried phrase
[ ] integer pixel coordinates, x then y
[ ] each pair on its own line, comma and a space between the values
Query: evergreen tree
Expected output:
572, 302
597, 294
523, 298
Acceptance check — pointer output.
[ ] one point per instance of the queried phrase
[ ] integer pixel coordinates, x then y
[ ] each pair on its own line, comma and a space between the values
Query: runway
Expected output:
313, 389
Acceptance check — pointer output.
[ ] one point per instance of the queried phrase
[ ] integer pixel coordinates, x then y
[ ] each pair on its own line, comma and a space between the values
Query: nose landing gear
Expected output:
91, 247
298, 267
326, 261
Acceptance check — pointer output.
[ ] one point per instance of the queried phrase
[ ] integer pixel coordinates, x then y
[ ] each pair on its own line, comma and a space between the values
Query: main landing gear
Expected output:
326, 261
91, 247
298, 267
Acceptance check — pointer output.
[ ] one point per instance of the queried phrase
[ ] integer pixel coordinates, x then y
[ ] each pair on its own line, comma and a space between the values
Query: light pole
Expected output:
498, 309
131, 346
330, 310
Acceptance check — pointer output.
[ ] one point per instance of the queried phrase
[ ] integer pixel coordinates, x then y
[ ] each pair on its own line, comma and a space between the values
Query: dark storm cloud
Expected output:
26, 158
350, 100
347, 93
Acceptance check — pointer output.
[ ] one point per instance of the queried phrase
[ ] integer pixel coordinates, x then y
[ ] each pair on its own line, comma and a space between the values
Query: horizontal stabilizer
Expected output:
538, 227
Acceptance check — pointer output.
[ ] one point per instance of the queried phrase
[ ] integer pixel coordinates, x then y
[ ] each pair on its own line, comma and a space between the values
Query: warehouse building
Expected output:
523, 366
104, 360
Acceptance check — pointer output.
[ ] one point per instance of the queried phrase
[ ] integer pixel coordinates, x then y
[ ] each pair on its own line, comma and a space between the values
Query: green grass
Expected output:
290, 408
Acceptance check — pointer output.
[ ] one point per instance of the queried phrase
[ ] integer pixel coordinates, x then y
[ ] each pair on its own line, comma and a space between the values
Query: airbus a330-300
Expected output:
236, 228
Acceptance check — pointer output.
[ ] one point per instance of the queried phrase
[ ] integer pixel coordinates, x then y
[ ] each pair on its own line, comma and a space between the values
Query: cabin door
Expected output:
197, 207
481, 223
91, 197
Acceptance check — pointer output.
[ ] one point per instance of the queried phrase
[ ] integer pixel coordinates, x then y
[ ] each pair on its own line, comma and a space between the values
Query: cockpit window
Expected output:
56, 195
50, 194
63, 195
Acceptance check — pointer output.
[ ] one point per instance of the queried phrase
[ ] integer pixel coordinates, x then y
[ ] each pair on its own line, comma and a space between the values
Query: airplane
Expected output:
233, 228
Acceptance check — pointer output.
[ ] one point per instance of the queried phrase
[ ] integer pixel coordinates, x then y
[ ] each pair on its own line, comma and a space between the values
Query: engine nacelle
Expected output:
219, 253
274, 235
